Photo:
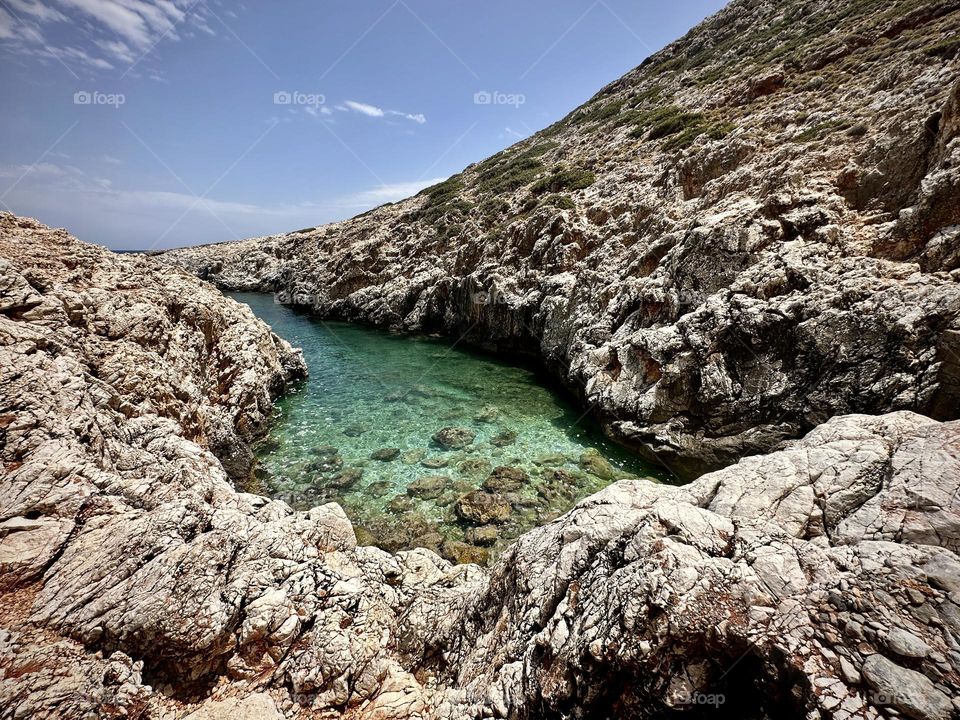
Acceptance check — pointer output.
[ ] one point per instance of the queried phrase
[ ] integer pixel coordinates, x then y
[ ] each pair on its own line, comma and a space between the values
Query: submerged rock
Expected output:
595, 464
454, 438
460, 552
485, 535
345, 479
385, 454
487, 414
400, 505
379, 488
434, 463
428, 487
503, 438
505, 480
326, 462
482, 508
412, 457
474, 468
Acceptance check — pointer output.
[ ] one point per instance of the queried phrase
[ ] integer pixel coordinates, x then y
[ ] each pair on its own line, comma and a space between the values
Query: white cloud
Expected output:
6, 26
375, 112
66, 195
118, 49
138, 21
364, 109
118, 30
42, 13
419, 118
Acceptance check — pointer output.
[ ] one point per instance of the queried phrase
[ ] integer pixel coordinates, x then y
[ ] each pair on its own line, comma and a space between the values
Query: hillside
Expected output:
753, 231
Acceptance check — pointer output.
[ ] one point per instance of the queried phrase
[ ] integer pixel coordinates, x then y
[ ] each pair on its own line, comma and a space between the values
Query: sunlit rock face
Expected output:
738, 244
753, 231
137, 582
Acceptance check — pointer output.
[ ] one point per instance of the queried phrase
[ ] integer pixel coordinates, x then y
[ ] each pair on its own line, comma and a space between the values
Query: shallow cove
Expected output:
373, 394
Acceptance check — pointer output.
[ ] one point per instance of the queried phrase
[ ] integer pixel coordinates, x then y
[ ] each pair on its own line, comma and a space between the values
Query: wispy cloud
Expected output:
6, 26
364, 109
138, 217
376, 112
138, 21
119, 31
418, 118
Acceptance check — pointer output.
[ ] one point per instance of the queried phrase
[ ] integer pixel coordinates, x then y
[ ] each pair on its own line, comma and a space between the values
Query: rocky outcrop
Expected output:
819, 581
147, 341
707, 250
752, 232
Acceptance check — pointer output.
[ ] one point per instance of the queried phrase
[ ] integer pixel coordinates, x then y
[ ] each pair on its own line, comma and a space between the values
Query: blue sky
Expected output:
158, 123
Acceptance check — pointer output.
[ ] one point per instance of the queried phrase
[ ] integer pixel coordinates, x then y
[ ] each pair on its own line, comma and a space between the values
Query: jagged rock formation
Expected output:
755, 230
819, 581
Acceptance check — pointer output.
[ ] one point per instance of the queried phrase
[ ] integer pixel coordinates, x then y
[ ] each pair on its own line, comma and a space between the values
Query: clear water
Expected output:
372, 391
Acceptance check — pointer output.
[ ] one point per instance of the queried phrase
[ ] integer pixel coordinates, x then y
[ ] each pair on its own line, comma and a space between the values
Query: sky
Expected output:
149, 124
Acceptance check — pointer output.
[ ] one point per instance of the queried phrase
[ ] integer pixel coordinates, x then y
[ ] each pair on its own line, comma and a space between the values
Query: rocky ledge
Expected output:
752, 232
822, 580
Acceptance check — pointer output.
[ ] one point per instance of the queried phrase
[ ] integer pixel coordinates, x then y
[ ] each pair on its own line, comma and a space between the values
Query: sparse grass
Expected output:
679, 122
561, 178
508, 172
820, 131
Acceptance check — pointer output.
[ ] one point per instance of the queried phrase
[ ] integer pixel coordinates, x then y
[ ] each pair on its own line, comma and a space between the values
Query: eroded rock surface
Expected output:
821, 580
754, 231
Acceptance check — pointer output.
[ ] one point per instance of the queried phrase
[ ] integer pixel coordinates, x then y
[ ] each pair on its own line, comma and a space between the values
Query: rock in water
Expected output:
428, 487
505, 480
484, 535
482, 508
454, 438
385, 454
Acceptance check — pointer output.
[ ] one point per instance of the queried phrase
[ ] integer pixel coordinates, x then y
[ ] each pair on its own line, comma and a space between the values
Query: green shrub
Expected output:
561, 178
515, 174
442, 199
946, 49
598, 113
561, 202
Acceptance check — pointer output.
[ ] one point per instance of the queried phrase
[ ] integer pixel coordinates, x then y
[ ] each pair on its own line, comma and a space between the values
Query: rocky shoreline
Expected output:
713, 270
136, 582
748, 245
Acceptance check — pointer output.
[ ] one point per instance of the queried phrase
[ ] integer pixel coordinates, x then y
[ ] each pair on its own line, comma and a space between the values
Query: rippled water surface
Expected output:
374, 395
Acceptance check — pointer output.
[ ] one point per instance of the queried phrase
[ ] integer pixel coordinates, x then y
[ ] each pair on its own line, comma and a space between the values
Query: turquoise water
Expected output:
373, 394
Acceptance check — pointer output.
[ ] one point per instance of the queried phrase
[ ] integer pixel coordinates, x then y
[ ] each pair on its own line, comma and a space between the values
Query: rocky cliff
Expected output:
749, 236
753, 231
819, 581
